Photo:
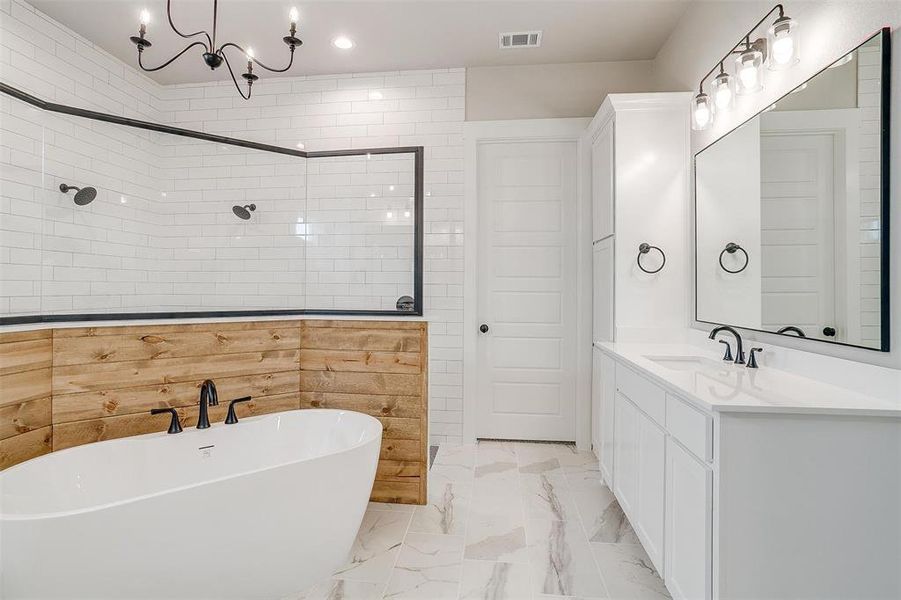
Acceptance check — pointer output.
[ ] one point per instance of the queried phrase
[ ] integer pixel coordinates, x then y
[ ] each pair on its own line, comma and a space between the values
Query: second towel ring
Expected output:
644, 248
732, 248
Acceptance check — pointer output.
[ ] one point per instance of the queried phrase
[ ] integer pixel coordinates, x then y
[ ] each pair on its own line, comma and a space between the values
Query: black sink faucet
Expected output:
208, 397
739, 352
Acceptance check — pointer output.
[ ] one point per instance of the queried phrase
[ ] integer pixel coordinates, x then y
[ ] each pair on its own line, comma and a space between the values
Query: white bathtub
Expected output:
260, 509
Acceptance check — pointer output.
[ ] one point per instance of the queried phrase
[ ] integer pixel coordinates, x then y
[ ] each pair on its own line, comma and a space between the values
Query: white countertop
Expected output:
725, 387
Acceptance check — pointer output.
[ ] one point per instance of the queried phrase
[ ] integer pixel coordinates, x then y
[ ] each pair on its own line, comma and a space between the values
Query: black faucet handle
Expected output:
231, 418
752, 360
174, 424
728, 355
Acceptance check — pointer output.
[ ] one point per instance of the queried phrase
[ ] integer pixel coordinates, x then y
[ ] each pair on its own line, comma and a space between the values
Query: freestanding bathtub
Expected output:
260, 509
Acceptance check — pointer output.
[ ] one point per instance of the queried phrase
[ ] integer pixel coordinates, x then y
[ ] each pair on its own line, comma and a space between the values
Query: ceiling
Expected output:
393, 35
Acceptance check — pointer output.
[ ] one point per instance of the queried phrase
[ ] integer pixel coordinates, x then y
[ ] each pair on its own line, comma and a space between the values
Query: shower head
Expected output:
83, 196
243, 212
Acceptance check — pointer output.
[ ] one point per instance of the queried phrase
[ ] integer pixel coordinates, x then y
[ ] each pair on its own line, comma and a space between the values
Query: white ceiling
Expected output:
394, 35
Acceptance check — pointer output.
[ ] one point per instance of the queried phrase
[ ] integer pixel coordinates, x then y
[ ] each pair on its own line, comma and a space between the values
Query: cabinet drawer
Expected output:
691, 427
646, 396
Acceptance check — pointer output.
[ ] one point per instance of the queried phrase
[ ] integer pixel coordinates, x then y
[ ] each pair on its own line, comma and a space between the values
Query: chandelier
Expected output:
214, 56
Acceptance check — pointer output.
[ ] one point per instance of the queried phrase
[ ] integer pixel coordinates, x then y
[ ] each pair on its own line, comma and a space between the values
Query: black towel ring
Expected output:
732, 248
644, 248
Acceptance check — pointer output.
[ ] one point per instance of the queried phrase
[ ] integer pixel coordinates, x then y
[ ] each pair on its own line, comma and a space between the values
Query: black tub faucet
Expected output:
208, 397
739, 352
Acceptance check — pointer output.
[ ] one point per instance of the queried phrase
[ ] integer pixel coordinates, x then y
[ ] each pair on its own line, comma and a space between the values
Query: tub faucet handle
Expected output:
232, 418
174, 424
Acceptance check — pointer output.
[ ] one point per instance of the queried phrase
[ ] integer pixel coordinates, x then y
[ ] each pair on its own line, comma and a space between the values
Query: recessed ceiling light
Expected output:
343, 42
376, 95
301, 145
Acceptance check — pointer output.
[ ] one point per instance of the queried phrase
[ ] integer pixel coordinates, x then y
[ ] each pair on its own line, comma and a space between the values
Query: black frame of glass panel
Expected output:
418, 221
885, 34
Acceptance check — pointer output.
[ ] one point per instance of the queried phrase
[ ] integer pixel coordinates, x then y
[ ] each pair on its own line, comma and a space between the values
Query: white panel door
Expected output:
797, 220
602, 296
527, 195
602, 183
689, 523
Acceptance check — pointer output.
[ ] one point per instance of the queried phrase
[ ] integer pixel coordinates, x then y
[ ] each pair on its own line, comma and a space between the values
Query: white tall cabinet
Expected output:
639, 189
639, 193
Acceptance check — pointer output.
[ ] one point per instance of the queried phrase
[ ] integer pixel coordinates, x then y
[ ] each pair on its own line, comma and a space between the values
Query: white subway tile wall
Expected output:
421, 108
869, 77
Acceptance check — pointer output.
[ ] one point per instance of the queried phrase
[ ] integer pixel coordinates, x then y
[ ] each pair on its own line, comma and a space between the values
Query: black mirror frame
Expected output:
885, 35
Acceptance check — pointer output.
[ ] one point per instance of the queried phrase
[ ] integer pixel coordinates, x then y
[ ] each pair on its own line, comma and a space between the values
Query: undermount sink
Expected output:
685, 363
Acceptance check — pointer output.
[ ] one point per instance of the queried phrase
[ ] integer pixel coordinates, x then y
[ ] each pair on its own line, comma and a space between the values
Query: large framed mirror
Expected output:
792, 210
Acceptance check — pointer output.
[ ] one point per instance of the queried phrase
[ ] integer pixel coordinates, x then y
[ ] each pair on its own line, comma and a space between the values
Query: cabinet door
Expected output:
602, 286
596, 405
689, 523
602, 183
651, 464
607, 426
625, 455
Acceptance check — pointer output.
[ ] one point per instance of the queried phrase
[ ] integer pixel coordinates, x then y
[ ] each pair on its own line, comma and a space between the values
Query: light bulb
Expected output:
701, 112
293, 15
249, 53
783, 42
722, 91
145, 17
783, 49
749, 67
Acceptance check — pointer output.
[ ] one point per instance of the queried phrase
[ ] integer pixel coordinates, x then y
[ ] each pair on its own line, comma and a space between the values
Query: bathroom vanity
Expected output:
744, 483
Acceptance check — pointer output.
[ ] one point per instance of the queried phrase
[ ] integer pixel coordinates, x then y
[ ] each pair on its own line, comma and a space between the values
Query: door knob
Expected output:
829, 331
483, 328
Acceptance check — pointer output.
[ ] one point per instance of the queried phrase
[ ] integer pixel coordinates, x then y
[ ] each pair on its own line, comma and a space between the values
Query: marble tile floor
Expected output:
505, 520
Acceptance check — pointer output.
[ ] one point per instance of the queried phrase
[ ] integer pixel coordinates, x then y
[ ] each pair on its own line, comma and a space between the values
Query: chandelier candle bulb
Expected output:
293, 16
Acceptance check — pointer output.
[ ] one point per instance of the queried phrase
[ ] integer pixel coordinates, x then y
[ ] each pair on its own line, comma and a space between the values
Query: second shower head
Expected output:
243, 212
83, 195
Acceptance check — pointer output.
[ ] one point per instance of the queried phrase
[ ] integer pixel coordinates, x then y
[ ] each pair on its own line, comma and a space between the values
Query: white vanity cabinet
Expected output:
689, 522
743, 495
662, 477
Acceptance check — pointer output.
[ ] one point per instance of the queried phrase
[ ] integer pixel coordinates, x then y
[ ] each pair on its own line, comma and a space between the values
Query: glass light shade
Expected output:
783, 44
723, 92
749, 72
701, 112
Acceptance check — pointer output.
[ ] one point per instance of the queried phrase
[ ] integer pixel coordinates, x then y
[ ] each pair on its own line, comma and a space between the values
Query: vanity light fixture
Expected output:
749, 66
723, 90
779, 50
214, 56
702, 112
783, 43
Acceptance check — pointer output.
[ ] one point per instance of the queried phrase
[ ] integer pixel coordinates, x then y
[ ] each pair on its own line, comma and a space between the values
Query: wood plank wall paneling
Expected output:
25, 396
382, 369
65, 387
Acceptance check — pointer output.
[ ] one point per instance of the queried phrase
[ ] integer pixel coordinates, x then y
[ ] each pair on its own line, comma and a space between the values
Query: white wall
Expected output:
829, 29
550, 91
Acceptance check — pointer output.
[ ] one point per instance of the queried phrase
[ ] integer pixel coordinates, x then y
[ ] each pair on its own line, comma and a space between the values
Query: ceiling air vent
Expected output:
520, 39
